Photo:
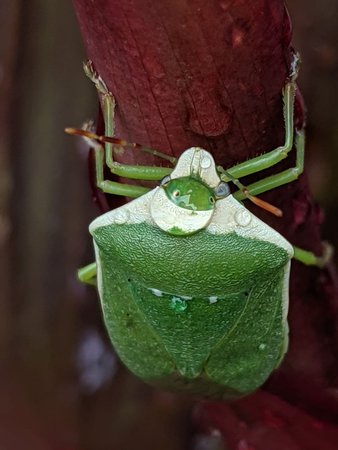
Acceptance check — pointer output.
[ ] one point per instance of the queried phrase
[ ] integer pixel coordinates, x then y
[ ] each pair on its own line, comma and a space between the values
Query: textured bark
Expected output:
210, 74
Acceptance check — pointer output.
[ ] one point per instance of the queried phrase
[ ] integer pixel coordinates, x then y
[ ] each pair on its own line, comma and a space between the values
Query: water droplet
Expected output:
178, 305
206, 162
121, 217
243, 217
170, 218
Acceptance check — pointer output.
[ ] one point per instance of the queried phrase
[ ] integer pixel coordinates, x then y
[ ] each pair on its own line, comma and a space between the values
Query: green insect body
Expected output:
194, 287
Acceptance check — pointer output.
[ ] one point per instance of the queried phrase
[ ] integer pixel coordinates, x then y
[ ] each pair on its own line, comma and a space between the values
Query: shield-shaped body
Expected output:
202, 310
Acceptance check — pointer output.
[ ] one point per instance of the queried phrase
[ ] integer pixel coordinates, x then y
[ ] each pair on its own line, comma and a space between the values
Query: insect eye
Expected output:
222, 190
176, 193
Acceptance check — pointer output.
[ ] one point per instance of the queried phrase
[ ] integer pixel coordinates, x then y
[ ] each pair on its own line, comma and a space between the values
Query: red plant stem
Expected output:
200, 74
210, 74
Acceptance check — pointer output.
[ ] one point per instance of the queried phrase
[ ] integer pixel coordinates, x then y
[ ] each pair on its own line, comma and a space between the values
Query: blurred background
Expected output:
61, 385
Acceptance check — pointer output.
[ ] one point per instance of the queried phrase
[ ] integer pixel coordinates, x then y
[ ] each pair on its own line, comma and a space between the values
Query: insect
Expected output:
193, 286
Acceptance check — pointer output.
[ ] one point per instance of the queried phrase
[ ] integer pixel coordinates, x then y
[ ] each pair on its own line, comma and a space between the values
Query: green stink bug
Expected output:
193, 286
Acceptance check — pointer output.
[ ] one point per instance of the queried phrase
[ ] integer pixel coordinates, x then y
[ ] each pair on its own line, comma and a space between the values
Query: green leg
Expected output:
113, 187
87, 274
280, 178
136, 172
304, 256
156, 173
275, 156
310, 259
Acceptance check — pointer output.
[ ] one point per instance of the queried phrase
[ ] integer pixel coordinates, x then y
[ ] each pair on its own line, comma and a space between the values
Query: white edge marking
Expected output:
224, 222
98, 270
136, 211
285, 307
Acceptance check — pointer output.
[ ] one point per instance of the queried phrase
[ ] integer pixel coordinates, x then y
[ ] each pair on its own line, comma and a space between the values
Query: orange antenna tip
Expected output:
266, 206
81, 132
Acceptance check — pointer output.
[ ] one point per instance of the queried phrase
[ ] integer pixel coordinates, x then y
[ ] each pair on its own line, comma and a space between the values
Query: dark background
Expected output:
61, 386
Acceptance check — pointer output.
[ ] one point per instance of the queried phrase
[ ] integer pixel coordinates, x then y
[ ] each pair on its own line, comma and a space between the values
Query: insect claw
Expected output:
294, 66
95, 78
327, 255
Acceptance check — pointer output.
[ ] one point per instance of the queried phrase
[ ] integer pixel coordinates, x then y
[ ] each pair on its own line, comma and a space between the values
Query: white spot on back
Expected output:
213, 299
156, 292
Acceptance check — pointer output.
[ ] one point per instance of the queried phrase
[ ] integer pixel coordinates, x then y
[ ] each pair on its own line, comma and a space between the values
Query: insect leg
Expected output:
247, 194
310, 259
288, 175
87, 274
108, 103
114, 187
274, 156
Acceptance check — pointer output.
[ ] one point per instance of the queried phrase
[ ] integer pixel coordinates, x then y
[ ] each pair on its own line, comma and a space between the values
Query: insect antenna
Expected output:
263, 204
120, 142
257, 201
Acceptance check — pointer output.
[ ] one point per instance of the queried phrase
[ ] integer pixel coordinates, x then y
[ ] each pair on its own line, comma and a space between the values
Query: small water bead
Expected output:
121, 217
243, 218
206, 162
